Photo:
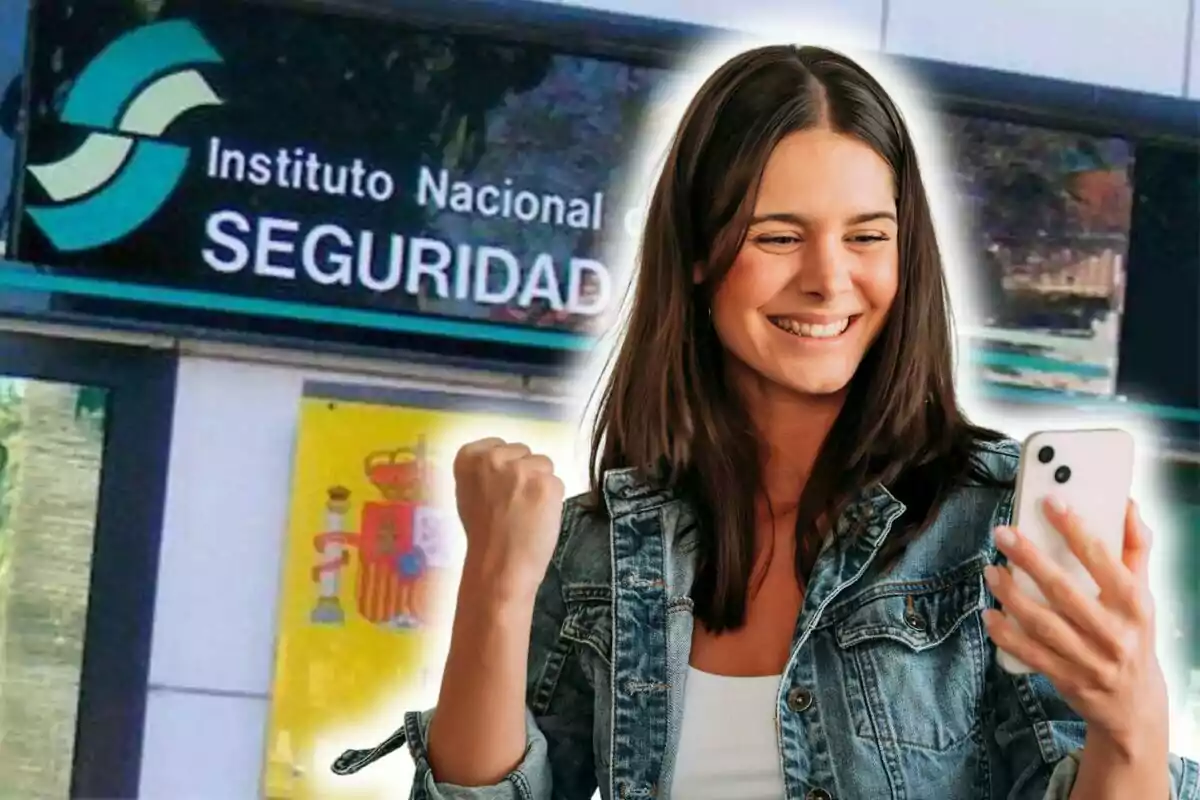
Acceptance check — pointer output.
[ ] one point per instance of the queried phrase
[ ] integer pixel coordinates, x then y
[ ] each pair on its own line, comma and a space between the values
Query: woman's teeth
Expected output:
807, 331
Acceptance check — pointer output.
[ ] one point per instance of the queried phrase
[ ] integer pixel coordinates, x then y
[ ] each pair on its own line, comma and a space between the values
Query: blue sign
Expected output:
299, 164
127, 97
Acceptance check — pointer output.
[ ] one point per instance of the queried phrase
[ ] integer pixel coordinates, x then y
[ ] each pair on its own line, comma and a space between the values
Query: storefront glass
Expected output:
13, 17
1183, 490
51, 446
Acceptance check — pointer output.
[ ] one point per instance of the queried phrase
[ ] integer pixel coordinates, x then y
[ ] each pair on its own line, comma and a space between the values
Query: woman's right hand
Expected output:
510, 503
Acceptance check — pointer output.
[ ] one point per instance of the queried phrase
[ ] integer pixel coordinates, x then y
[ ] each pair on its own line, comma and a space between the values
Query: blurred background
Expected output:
265, 263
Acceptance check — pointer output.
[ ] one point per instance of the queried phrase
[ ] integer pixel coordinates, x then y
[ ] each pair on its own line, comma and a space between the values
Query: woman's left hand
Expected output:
1098, 652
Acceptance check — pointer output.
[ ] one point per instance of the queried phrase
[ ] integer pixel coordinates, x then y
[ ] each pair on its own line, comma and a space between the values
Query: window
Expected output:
51, 445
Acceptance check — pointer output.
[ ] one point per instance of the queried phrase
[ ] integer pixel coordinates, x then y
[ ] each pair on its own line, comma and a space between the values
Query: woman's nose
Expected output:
825, 268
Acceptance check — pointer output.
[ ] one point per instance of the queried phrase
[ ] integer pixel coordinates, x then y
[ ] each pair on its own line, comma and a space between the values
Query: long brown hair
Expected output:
667, 407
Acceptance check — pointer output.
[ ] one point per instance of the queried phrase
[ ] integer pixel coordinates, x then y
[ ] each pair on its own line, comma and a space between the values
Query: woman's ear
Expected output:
698, 273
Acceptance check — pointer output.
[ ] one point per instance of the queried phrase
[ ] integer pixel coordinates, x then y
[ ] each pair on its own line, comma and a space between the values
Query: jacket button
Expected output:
915, 621
799, 700
818, 794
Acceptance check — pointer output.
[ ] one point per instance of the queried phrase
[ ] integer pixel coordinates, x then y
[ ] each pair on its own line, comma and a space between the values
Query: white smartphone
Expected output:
1092, 472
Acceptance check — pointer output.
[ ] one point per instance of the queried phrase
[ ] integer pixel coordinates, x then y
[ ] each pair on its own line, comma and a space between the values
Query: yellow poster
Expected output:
371, 544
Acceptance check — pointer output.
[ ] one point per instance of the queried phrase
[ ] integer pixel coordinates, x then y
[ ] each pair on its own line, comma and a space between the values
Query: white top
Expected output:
727, 744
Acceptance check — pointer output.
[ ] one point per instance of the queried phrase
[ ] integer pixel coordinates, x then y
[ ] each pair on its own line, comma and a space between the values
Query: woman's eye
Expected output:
779, 240
790, 241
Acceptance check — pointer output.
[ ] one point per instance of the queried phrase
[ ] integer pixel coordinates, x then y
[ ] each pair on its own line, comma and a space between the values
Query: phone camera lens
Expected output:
1046, 455
1062, 474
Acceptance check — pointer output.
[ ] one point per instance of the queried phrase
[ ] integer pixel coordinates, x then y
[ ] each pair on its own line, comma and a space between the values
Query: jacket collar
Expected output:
629, 491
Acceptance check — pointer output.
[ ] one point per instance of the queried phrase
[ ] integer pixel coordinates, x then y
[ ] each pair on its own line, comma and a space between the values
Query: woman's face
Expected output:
811, 287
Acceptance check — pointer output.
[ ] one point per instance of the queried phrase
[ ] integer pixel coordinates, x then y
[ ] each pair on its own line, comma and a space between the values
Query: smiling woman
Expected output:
787, 577
820, 263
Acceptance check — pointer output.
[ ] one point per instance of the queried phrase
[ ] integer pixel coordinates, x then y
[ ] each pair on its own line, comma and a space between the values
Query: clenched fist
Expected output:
510, 503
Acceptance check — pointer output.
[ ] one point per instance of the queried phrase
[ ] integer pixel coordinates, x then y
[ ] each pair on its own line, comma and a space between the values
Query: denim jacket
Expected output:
891, 689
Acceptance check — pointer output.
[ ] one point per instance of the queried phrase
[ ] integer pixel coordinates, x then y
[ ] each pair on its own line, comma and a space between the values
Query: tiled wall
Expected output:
1144, 45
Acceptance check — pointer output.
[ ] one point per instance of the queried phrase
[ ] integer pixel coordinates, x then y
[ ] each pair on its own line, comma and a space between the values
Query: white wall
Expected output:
1130, 44
862, 20
212, 657
1194, 52
1118, 43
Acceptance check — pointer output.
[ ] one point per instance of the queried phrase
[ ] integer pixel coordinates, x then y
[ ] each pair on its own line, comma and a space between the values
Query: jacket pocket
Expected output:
588, 627
589, 621
913, 661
